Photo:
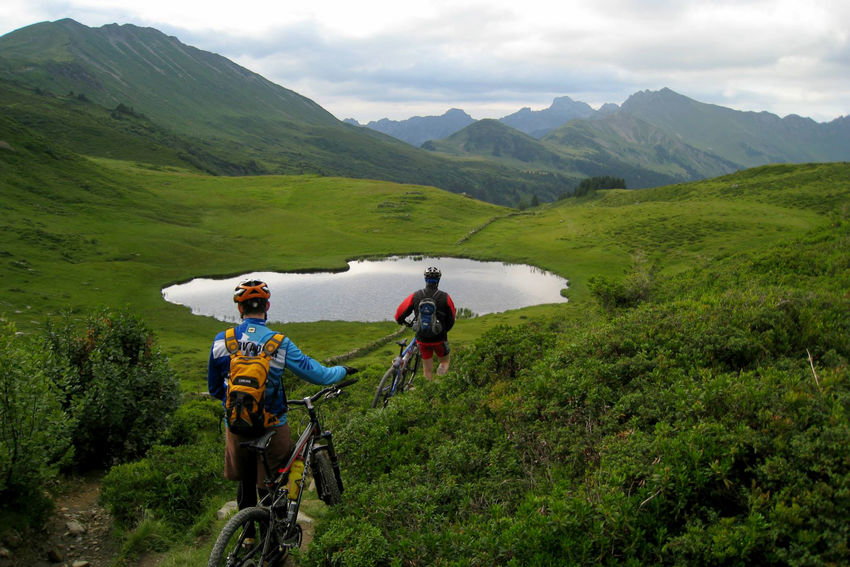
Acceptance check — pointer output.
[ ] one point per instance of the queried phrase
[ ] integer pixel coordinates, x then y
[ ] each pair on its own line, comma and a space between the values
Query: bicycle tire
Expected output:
382, 393
410, 372
326, 483
230, 549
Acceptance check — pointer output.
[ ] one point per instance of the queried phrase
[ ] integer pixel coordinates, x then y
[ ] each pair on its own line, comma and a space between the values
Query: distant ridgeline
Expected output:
125, 92
654, 138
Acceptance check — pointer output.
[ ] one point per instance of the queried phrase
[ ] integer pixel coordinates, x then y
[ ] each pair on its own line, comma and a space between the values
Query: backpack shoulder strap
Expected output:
436, 295
230, 341
271, 345
423, 293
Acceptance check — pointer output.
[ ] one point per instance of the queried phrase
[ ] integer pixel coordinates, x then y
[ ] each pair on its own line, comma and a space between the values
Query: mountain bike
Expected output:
264, 534
399, 376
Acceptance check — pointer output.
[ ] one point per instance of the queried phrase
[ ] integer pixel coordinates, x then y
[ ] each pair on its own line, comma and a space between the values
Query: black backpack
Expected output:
427, 323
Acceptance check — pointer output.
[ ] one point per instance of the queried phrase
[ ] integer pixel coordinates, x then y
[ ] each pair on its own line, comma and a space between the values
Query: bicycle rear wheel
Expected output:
385, 388
241, 541
410, 372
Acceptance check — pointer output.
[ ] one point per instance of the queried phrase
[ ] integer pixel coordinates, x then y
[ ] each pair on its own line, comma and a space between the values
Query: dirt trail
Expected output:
77, 534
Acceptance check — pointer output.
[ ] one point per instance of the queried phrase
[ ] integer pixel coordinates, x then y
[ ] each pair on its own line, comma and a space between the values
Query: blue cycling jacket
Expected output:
252, 334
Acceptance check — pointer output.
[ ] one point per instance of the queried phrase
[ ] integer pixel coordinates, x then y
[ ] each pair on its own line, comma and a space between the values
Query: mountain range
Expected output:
419, 129
662, 121
127, 92
536, 123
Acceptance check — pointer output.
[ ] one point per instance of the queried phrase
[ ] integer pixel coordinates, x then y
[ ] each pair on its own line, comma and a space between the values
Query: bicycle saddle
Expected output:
260, 443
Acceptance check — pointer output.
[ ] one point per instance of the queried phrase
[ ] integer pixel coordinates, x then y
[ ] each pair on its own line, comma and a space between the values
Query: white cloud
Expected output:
398, 58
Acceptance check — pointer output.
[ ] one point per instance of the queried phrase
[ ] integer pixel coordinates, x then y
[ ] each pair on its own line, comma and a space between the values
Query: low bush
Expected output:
193, 421
116, 385
631, 290
704, 426
35, 437
352, 543
172, 484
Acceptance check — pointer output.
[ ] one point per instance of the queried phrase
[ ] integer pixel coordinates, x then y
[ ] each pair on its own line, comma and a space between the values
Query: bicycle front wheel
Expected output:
241, 541
385, 388
326, 483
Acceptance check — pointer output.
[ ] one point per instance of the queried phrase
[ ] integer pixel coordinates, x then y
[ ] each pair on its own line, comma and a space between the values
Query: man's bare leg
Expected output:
444, 364
428, 368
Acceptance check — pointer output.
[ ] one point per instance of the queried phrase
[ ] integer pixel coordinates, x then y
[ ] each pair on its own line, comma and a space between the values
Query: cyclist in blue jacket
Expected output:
252, 299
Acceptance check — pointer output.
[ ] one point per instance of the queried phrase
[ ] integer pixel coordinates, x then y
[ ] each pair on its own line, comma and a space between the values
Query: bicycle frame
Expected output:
277, 510
401, 362
395, 379
312, 439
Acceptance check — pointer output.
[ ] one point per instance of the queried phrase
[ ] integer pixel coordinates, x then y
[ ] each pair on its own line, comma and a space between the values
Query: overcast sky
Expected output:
370, 59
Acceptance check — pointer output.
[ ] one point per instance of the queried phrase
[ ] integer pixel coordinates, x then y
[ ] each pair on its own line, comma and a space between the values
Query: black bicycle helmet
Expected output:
433, 274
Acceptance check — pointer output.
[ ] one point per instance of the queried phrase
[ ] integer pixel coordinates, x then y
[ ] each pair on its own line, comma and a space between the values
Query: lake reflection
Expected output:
370, 290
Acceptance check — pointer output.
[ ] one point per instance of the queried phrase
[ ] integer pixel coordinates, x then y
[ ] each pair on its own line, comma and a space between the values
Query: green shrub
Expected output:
503, 352
193, 420
635, 288
34, 433
695, 430
117, 386
171, 483
351, 543
149, 535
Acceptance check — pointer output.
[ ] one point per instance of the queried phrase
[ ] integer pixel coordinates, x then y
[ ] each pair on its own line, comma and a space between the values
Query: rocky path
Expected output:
76, 535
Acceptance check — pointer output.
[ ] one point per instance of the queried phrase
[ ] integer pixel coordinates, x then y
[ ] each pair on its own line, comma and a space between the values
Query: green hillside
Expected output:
670, 413
119, 133
152, 72
702, 420
642, 153
618, 145
83, 218
95, 216
115, 216
213, 114
747, 139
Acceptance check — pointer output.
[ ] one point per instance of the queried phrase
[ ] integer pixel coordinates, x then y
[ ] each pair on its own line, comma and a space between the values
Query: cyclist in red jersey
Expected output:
432, 344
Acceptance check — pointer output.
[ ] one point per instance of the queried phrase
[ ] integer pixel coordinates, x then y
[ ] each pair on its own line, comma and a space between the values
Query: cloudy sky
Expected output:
370, 59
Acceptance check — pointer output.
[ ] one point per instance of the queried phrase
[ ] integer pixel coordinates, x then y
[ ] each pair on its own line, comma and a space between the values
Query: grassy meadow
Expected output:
115, 232
79, 233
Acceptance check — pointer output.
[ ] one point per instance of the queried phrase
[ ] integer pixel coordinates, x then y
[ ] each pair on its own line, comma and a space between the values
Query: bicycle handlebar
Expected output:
324, 391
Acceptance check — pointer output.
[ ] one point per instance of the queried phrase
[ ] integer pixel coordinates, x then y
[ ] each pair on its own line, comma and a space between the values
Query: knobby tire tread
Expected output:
381, 396
410, 372
323, 470
233, 529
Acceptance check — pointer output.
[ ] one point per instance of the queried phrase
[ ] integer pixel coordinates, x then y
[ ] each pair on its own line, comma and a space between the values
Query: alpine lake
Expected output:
370, 290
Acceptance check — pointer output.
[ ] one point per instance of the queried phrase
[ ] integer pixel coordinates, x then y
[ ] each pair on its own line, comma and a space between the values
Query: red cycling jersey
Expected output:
446, 311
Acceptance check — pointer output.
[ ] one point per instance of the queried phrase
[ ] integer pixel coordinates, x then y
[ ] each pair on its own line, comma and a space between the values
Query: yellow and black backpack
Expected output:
245, 407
